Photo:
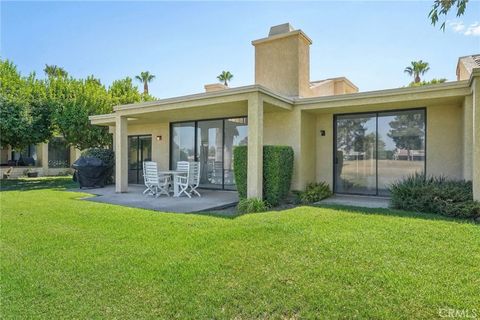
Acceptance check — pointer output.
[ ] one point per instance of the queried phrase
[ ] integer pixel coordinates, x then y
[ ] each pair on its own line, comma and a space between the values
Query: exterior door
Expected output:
373, 150
210, 142
355, 163
139, 150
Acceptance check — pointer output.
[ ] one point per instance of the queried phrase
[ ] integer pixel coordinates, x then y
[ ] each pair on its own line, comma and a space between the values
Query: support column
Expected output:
476, 137
44, 157
255, 147
121, 154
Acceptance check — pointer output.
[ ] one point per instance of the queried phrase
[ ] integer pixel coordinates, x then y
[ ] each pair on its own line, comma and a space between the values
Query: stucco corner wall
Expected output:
445, 141
324, 149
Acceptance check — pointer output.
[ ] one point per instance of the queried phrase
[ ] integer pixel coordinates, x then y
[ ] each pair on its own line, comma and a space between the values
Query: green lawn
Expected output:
62, 257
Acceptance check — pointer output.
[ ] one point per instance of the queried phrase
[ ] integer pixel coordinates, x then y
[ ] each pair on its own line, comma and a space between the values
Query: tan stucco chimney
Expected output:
282, 61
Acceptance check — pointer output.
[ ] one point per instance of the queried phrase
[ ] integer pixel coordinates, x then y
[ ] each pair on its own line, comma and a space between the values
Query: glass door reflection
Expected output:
210, 153
139, 150
355, 167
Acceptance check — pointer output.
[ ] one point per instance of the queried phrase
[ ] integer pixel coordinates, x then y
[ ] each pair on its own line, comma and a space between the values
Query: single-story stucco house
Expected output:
358, 142
51, 158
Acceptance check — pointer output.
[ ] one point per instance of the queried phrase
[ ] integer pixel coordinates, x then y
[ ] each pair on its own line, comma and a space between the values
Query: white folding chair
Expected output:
194, 178
156, 185
182, 180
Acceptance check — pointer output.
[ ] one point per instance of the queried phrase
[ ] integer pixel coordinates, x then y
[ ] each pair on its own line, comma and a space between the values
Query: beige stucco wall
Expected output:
467, 125
476, 137
324, 149
281, 128
297, 130
445, 141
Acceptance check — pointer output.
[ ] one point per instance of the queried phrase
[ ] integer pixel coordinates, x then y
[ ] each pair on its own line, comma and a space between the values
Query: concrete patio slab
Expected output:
210, 200
357, 201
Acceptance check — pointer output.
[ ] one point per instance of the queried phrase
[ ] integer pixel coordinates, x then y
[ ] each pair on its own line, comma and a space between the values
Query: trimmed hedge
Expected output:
439, 195
277, 172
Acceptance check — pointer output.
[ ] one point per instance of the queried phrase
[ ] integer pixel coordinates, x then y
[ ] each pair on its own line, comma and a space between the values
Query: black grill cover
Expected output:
90, 172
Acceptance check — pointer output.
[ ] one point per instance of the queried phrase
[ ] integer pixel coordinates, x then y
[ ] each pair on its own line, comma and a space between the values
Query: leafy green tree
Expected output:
145, 78
74, 101
25, 115
416, 69
124, 92
442, 7
225, 76
55, 71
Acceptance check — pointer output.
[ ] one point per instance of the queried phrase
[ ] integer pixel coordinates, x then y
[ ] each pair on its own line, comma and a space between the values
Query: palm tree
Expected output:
416, 69
55, 71
145, 77
225, 76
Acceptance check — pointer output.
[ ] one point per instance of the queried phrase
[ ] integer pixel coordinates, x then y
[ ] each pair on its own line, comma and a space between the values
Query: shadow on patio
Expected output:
210, 200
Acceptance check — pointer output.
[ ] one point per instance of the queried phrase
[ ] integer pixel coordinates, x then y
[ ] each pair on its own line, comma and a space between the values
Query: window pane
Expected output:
58, 153
355, 166
183, 143
209, 153
401, 146
236, 133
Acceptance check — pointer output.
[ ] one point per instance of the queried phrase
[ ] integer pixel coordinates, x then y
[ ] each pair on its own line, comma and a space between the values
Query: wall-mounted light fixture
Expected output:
322, 133
159, 138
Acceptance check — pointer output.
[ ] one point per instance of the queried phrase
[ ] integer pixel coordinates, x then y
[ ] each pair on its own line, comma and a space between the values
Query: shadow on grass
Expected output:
27, 184
394, 213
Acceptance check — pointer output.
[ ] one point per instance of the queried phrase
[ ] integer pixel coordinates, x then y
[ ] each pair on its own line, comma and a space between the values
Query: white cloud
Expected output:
470, 30
473, 30
457, 26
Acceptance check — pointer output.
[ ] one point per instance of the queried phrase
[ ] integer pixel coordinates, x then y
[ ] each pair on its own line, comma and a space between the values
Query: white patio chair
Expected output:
194, 178
182, 181
156, 185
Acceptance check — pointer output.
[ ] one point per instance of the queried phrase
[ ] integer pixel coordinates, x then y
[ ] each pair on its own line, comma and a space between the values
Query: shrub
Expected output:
277, 172
314, 192
435, 195
108, 157
252, 205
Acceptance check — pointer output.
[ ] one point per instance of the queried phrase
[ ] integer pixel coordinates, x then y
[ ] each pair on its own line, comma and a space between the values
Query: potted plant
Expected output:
30, 173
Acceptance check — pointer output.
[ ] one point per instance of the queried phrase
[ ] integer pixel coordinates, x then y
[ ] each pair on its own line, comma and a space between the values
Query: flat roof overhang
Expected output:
234, 102
438, 94
225, 103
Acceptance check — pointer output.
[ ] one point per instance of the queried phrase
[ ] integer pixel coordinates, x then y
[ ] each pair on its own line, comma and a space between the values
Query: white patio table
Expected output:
173, 173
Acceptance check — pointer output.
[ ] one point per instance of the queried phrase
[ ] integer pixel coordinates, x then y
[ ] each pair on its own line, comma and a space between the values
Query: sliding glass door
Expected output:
210, 153
139, 150
373, 150
210, 142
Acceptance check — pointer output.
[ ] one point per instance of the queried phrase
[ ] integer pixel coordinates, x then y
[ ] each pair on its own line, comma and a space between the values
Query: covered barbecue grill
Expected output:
91, 172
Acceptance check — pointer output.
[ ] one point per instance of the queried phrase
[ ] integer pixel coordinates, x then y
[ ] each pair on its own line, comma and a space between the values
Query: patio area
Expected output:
210, 199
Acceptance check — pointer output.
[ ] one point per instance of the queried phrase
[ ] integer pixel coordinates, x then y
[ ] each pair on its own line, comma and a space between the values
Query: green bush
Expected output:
439, 195
314, 192
277, 172
252, 205
108, 157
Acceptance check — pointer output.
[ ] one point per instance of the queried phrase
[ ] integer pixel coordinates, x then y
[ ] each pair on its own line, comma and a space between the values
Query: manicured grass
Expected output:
62, 257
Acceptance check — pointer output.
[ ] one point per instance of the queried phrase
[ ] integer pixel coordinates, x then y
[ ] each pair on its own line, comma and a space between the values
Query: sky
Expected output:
187, 44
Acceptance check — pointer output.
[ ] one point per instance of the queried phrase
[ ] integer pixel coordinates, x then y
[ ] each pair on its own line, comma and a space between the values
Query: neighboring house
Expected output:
358, 142
47, 159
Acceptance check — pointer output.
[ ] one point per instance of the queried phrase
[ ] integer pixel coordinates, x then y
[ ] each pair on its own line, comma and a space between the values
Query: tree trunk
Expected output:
145, 87
417, 78
226, 84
